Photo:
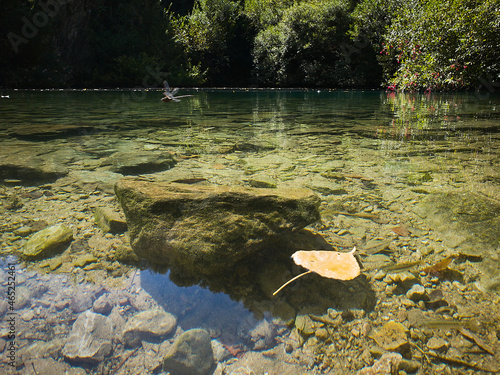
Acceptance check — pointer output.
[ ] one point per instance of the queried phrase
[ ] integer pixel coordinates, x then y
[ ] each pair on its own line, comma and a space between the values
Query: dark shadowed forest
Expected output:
410, 45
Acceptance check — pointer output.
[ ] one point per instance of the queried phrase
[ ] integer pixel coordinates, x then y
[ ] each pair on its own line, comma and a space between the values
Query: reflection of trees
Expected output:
417, 116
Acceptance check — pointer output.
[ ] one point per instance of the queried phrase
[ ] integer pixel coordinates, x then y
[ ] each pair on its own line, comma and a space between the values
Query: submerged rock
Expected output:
139, 162
90, 339
31, 164
109, 220
472, 218
191, 354
150, 325
101, 180
262, 336
48, 241
204, 229
470, 223
391, 336
387, 364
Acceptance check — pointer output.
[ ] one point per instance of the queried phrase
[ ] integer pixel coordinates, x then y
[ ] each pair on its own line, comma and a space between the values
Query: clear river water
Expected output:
411, 180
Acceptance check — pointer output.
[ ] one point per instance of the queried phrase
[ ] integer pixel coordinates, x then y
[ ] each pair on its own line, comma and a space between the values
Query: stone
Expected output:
151, 325
125, 254
391, 336
415, 317
417, 293
43, 347
23, 231
52, 367
322, 334
109, 220
203, 229
437, 344
48, 241
49, 131
81, 301
262, 336
304, 324
90, 339
55, 263
220, 352
385, 365
140, 162
103, 305
399, 278
191, 354
23, 297
325, 186
262, 181
31, 164
84, 259
102, 180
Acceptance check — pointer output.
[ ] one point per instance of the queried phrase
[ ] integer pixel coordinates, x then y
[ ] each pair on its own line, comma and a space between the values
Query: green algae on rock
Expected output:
204, 229
48, 241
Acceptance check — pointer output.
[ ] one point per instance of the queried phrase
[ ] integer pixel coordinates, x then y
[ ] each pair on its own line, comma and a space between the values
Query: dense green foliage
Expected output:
443, 44
401, 44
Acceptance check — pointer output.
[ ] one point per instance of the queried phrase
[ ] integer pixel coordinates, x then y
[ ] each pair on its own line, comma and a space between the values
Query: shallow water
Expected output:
373, 153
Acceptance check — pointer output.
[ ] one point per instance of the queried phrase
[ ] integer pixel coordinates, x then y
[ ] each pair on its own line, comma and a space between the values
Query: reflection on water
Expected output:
197, 307
403, 178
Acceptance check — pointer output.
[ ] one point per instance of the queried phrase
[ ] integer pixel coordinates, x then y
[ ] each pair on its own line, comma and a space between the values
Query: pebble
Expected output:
103, 305
391, 336
27, 315
387, 364
416, 293
84, 259
322, 334
23, 231
437, 344
150, 325
191, 354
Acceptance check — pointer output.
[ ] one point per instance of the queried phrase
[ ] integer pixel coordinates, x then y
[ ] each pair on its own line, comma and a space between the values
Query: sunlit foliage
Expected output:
404, 45
442, 44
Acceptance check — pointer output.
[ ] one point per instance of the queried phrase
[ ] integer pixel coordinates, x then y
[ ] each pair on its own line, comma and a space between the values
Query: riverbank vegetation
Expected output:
397, 44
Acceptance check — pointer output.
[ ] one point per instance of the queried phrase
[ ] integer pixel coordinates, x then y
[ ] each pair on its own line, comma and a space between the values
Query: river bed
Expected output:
412, 181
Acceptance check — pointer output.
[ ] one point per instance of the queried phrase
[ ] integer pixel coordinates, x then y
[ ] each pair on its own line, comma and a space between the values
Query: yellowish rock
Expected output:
391, 336
84, 259
48, 241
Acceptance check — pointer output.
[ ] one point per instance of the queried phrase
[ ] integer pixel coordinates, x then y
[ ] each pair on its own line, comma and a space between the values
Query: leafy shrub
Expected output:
442, 44
215, 41
305, 47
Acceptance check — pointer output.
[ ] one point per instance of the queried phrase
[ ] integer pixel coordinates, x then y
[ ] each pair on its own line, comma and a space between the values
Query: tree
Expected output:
216, 40
443, 45
306, 47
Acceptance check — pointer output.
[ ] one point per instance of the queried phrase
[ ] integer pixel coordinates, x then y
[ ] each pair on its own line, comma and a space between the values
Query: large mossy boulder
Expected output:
204, 229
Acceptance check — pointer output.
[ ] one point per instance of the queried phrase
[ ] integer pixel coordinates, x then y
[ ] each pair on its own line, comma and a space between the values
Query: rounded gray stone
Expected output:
191, 354
150, 325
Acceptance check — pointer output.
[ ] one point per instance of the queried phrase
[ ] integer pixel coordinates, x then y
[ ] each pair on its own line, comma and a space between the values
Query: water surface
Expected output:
428, 163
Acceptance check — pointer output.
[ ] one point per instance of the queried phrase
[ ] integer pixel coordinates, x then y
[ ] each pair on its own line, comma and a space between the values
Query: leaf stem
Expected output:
290, 281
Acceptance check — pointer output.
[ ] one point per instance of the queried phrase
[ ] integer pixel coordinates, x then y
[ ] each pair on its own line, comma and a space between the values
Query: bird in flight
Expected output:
169, 95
